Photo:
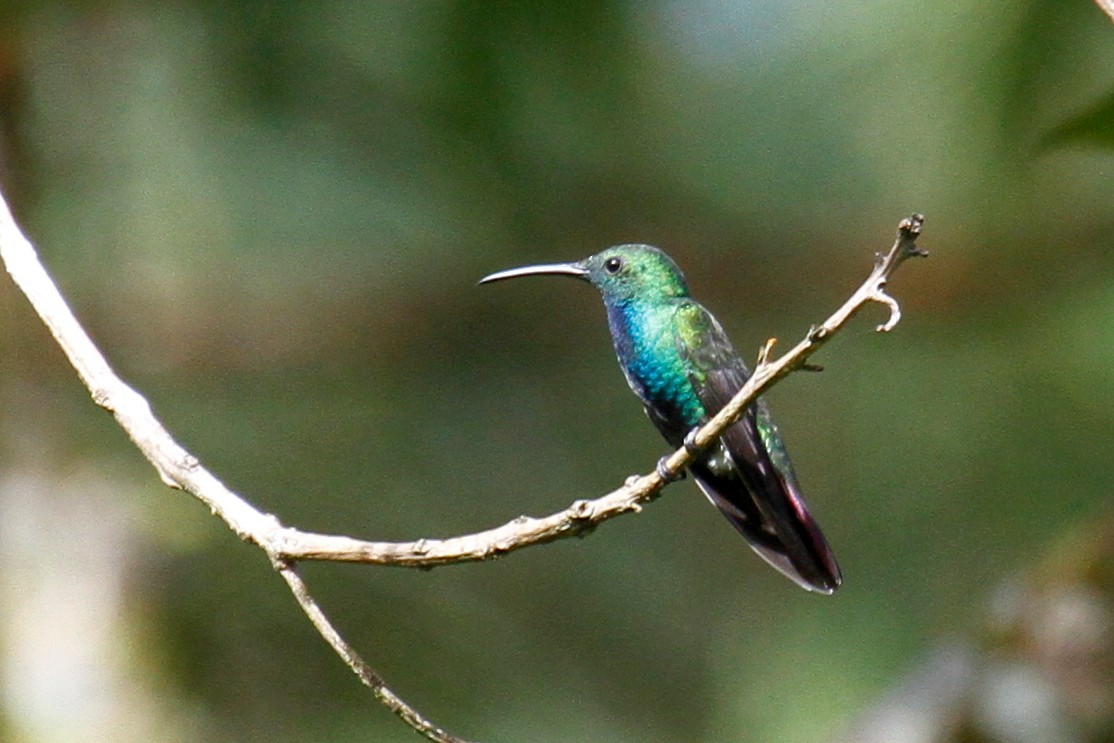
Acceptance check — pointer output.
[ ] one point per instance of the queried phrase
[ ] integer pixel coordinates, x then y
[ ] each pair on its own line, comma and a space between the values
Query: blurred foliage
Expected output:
271, 216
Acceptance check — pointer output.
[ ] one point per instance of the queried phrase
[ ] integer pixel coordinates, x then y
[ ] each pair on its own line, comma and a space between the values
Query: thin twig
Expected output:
285, 545
352, 659
766, 373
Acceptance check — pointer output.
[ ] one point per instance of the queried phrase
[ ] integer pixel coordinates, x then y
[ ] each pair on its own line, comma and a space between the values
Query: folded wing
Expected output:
748, 475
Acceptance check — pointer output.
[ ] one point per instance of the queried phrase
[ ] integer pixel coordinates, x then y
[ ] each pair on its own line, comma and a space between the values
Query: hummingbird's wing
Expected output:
748, 475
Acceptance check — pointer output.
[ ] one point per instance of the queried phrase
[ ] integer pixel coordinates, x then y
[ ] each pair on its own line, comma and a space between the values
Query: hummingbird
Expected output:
679, 362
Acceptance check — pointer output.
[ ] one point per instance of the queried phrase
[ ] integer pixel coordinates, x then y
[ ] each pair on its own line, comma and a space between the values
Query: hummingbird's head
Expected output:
628, 271
620, 272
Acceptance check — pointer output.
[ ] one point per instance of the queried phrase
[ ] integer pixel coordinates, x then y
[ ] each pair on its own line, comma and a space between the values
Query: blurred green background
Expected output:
271, 216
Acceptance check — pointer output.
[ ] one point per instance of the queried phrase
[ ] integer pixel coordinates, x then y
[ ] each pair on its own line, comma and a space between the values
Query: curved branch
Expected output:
180, 469
285, 545
175, 466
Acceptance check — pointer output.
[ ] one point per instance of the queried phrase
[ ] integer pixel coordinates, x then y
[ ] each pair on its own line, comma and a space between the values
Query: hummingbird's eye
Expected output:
612, 265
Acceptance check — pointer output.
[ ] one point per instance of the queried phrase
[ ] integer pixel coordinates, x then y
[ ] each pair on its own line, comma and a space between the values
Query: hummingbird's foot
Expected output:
662, 468
690, 442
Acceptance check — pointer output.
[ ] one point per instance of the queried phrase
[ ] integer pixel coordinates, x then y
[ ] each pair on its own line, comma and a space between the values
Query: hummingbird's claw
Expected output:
690, 442
662, 468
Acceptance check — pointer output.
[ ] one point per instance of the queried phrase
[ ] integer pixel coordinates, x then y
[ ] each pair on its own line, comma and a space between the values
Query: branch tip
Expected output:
765, 350
911, 225
905, 246
895, 311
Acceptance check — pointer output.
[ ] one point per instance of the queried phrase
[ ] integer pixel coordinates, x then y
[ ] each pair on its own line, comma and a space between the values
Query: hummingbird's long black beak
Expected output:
548, 269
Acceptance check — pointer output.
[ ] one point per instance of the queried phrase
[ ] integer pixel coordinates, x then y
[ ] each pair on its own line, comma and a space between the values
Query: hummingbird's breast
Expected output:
647, 347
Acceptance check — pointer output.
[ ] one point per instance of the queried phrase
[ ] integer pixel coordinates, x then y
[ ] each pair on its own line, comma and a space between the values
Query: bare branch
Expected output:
284, 545
175, 466
1108, 6
766, 373
582, 516
351, 658
179, 469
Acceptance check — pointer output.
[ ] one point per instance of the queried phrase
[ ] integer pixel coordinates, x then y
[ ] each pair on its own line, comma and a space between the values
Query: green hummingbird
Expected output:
680, 363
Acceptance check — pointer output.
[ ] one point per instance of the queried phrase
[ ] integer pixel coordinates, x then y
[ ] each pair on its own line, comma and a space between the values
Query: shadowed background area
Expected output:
271, 216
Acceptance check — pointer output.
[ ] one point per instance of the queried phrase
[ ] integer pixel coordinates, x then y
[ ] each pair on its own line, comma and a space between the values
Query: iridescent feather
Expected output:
679, 362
